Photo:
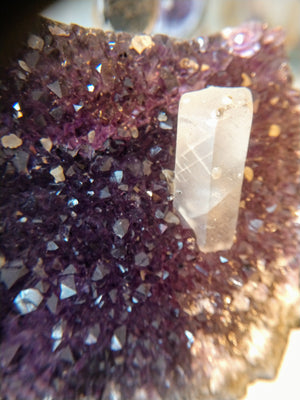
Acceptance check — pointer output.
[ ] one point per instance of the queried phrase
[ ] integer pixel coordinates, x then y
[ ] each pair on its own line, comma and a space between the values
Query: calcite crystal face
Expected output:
213, 132
104, 294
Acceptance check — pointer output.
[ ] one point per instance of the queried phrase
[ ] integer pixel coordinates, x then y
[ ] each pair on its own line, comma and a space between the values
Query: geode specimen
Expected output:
213, 131
104, 294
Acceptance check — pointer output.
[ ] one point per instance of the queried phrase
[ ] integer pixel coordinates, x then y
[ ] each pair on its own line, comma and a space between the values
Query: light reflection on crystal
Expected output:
92, 336
162, 117
28, 300
99, 302
17, 106
165, 125
165, 275
236, 281
73, 202
120, 227
271, 208
223, 259
57, 331
90, 88
244, 42
67, 288
48, 397
216, 173
65, 232
118, 339
115, 344
117, 176
203, 42
122, 269
239, 38
155, 150
77, 107
91, 339
190, 338
163, 227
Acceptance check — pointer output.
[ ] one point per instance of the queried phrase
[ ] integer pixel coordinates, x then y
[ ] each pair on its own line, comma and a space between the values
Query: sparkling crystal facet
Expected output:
28, 300
212, 141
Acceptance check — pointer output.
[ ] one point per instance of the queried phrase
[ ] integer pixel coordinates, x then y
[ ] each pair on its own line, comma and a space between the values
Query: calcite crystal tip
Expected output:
104, 293
213, 132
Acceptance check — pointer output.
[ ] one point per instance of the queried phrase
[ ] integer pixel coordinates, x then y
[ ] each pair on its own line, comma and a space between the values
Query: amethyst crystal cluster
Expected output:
104, 294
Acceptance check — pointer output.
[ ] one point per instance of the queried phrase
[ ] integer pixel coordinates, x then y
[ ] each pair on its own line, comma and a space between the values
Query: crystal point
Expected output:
28, 300
212, 142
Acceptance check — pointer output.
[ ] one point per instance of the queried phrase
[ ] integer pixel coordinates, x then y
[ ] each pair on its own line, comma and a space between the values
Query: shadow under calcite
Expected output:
122, 305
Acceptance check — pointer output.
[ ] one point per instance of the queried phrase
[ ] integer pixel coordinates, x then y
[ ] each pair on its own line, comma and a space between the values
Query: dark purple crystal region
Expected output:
103, 293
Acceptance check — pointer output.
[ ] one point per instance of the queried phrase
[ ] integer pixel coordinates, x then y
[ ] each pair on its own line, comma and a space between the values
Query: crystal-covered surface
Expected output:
28, 300
212, 142
130, 308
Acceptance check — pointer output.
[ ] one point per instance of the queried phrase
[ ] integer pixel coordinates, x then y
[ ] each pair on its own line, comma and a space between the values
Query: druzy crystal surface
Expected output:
104, 293
211, 147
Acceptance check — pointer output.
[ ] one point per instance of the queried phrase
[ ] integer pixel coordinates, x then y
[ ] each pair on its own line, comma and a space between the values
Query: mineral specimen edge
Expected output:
104, 294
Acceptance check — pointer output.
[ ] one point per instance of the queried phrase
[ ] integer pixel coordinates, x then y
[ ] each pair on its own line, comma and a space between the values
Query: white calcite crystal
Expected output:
212, 141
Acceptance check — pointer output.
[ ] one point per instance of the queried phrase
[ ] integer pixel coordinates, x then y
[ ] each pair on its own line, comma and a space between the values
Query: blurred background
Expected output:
183, 18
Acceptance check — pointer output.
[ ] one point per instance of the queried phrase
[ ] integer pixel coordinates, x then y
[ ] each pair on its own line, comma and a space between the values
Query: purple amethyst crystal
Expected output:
104, 295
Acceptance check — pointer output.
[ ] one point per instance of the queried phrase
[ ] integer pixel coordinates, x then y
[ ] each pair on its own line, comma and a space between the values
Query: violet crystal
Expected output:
104, 294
